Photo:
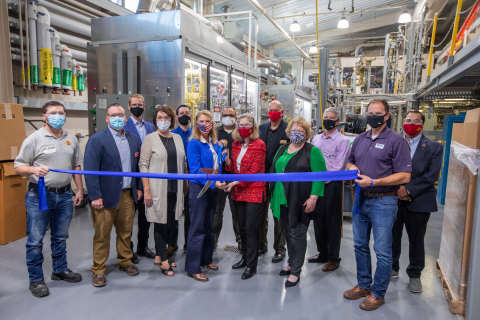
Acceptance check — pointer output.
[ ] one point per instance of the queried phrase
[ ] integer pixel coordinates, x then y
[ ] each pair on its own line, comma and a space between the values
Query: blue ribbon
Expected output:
267, 177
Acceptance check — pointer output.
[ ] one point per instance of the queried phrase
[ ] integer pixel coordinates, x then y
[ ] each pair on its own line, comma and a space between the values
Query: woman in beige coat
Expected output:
163, 152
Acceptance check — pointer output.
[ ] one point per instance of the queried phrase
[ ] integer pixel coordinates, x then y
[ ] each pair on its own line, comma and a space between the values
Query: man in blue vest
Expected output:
141, 128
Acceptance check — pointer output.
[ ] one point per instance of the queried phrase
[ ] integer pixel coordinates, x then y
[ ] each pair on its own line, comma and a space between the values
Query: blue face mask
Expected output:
297, 137
56, 121
117, 123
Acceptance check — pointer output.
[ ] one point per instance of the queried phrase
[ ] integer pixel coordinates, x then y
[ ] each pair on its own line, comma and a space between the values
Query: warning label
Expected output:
46, 66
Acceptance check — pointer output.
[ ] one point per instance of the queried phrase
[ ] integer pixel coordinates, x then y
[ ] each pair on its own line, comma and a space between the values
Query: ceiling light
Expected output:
405, 17
295, 27
313, 49
343, 23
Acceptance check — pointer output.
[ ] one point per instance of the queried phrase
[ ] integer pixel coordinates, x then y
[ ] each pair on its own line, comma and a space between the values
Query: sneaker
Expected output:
415, 285
67, 276
99, 280
395, 274
130, 269
39, 289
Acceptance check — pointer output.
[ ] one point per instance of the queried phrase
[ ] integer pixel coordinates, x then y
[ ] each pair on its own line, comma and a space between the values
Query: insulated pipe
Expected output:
45, 70
56, 54
272, 66
65, 23
86, 8
263, 11
318, 98
72, 40
20, 25
28, 46
32, 31
74, 76
368, 45
66, 67
80, 55
82, 64
146, 6
64, 11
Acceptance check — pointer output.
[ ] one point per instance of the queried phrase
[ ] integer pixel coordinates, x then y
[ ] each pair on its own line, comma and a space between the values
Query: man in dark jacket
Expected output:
273, 134
112, 199
416, 198
229, 120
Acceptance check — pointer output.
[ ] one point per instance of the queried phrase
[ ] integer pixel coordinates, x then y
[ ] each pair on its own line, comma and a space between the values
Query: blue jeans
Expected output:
378, 214
58, 216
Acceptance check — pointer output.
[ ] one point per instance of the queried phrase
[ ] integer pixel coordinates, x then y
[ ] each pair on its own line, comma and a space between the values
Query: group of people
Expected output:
395, 173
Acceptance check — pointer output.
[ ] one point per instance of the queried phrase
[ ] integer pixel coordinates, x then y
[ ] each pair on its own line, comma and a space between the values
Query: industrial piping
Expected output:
272, 66
368, 45
263, 11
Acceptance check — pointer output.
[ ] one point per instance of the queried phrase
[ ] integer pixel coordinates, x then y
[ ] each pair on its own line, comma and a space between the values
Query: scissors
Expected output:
220, 160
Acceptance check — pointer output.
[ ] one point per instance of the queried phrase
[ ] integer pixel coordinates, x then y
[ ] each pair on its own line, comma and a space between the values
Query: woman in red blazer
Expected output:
248, 156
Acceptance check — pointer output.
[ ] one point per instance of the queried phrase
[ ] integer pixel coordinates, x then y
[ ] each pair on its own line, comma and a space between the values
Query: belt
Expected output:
379, 194
126, 190
63, 189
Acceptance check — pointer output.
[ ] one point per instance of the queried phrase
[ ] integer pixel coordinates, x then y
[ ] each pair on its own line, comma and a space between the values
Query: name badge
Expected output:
48, 150
326, 154
283, 141
379, 146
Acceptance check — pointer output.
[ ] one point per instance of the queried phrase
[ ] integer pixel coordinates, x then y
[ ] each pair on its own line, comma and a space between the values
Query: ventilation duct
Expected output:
274, 67
368, 45
146, 6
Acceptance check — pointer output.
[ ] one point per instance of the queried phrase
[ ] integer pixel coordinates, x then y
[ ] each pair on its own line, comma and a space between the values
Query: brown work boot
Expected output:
330, 266
371, 303
130, 269
356, 293
99, 280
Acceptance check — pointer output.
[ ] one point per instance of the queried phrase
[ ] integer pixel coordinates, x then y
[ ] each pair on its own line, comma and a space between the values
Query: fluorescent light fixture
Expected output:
453, 99
343, 23
313, 50
405, 17
295, 27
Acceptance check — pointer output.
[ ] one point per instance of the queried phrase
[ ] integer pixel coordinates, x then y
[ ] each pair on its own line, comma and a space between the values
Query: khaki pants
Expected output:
121, 217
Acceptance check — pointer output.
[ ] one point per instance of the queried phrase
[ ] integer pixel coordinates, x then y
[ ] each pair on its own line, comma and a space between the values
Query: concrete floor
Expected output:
151, 295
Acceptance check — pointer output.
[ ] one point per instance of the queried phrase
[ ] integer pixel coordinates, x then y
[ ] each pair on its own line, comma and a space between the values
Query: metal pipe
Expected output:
200, 7
64, 11
65, 23
256, 38
78, 55
86, 8
368, 45
319, 98
249, 56
20, 25
146, 6
32, 30
419, 48
28, 46
430, 55
76, 41
455, 30
272, 66
263, 11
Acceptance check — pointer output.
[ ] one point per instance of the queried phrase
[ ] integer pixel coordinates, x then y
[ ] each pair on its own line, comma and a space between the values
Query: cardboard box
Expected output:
13, 215
12, 130
457, 132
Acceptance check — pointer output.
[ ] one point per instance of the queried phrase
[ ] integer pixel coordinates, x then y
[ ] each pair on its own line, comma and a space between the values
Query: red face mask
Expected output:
412, 129
274, 115
245, 132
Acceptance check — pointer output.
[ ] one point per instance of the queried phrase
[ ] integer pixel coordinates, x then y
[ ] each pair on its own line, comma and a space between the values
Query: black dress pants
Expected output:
186, 217
218, 219
296, 241
160, 230
328, 227
249, 218
416, 226
143, 226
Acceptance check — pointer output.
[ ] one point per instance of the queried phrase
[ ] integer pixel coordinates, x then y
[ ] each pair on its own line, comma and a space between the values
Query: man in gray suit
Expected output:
417, 199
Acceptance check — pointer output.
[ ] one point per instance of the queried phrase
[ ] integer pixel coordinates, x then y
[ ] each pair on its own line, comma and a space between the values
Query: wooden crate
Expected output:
456, 306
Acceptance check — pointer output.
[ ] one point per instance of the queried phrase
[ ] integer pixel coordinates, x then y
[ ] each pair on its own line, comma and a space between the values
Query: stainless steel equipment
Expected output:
170, 56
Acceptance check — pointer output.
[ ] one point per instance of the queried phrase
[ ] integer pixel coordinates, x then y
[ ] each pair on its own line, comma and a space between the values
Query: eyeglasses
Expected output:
330, 118
409, 120
137, 105
376, 113
245, 125
167, 118
120, 115
229, 115
204, 121
182, 113
299, 131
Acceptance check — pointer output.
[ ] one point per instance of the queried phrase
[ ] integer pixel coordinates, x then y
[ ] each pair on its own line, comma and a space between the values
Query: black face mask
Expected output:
184, 120
375, 121
136, 111
329, 124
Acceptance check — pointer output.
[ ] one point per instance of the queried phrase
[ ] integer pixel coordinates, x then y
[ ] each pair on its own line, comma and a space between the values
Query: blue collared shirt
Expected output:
140, 126
124, 150
413, 144
185, 135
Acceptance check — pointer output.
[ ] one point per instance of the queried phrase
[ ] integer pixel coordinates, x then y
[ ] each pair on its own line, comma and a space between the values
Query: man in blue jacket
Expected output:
112, 199
416, 199
141, 128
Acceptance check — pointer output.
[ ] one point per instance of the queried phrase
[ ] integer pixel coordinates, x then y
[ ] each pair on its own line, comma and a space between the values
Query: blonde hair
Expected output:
255, 134
136, 95
302, 123
196, 134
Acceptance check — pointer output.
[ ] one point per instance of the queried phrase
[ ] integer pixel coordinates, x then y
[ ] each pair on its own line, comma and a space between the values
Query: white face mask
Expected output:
228, 121
163, 125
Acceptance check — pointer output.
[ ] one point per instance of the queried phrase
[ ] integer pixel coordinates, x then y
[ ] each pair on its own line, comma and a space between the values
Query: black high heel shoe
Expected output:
289, 284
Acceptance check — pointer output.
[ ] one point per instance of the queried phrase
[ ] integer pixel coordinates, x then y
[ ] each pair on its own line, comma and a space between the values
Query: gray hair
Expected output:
334, 110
